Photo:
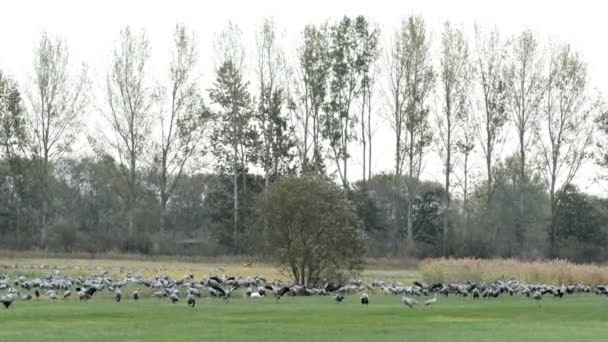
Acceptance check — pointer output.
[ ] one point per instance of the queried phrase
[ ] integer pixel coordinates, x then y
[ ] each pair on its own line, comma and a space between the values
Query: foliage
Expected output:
312, 228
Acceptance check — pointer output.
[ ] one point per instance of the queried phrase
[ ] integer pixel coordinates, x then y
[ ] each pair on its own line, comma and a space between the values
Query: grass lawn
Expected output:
575, 318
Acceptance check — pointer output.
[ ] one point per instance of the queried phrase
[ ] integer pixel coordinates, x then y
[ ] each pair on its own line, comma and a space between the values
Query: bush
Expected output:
480, 270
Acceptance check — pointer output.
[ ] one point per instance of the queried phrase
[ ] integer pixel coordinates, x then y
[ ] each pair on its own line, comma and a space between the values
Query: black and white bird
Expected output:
364, 299
191, 299
409, 301
117, 295
339, 297
174, 298
7, 300
52, 295
136, 295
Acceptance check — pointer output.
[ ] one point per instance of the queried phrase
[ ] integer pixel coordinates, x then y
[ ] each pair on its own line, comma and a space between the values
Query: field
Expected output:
573, 318
576, 318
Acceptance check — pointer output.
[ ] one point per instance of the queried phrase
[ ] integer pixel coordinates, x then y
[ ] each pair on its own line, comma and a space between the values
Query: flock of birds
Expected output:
59, 287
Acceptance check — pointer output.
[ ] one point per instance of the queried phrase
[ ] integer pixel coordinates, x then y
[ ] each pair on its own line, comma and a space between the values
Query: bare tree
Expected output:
525, 87
182, 125
411, 80
57, 99
129, 100
454, 77
566, 128
369, 42
396, 71
493, 115
275, 140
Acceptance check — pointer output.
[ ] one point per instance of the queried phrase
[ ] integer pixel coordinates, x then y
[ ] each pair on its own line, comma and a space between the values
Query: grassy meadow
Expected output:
576, 318
580, 317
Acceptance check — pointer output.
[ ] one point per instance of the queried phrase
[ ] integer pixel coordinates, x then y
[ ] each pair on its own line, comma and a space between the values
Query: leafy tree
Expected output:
312, 228
580, 223
234, 138
13, 182
347, 58
309, 95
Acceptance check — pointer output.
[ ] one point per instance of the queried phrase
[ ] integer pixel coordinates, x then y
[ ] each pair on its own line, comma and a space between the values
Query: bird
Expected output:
174, 298
537, 295
339, 297
364, 299
67, 294
37, 293
190, 299
7, 300
409, 301
431, 301
255, 295
26, 296
118, 295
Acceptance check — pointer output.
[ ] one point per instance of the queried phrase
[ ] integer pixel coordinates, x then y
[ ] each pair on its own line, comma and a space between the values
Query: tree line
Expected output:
521, 110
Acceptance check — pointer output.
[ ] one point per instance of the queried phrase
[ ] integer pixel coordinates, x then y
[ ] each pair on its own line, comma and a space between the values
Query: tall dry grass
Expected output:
490, 270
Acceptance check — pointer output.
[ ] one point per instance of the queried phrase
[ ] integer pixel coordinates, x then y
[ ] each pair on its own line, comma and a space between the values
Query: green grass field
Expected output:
575, 318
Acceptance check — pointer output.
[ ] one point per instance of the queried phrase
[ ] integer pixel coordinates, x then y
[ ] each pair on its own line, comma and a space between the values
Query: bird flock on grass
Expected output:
54, 287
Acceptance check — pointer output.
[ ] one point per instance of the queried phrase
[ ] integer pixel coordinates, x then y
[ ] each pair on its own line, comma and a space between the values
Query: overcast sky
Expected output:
91, 27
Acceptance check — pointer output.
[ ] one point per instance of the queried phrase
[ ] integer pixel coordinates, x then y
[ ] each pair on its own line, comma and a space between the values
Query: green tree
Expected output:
346, 58
12, 151
580, 227
312, 228
309, 95
234, 138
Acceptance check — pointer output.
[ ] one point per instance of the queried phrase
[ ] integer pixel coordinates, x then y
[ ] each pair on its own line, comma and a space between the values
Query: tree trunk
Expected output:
235, 183
363, 138
409, 219
446, 215
520, 222
44, 214
369, 137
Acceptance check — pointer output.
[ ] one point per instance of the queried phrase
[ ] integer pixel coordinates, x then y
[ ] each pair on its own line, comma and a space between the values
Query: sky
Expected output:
91, 29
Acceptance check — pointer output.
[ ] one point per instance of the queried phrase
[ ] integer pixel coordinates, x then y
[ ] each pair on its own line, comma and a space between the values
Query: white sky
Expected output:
91, 27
